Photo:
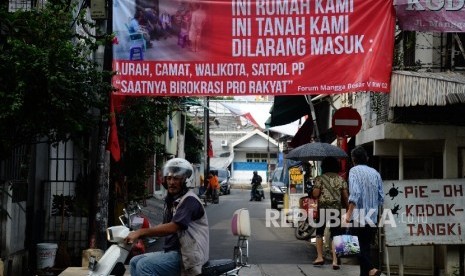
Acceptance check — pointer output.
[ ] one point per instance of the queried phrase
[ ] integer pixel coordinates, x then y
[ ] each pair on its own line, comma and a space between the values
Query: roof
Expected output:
410, 88
252, 133
221, 162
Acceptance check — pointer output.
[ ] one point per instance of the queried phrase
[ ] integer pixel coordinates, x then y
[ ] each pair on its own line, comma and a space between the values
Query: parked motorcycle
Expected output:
112, 262
304, 230
211, 197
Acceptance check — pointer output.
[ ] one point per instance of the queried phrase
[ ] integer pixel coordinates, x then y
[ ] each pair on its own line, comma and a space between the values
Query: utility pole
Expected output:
101, 12
315, 124
206, 136
268, 165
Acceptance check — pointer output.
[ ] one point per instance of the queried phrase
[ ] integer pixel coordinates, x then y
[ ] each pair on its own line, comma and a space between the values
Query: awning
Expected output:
240, 111
424, 88
287, 109
287, 129
221, 162
188, 101
303, 135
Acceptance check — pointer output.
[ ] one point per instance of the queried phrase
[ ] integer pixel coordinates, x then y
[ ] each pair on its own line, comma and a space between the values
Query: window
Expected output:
409, 43
458, 55
414, 168
260, 157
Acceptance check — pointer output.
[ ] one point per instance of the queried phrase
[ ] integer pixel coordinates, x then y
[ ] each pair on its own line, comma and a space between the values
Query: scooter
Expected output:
309, 206
112, 262
134, 219
257, 193
211, 196
304, 229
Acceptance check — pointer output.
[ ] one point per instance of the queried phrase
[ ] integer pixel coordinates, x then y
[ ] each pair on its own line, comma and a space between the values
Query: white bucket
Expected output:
46, 253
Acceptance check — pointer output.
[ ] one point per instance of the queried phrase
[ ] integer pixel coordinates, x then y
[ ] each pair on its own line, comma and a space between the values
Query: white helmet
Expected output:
179, 167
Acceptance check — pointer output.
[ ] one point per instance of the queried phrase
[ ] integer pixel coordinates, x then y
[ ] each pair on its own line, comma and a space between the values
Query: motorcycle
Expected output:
112, 262
309, 206
257, 192
134, 219
211, 196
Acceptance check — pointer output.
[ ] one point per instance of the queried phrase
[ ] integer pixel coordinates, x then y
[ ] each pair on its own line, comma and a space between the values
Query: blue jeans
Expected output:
158, 263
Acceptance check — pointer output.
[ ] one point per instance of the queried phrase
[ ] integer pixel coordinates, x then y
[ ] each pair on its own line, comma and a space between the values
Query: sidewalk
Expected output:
154, 211
298, 269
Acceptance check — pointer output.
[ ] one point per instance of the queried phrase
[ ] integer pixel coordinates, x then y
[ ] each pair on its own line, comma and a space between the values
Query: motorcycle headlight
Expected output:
224, 182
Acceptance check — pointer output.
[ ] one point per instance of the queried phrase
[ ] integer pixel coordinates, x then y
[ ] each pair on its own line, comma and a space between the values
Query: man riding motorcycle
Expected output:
185, 227
256, 182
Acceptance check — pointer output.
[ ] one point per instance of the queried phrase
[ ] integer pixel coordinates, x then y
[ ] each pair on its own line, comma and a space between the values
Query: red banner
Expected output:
252, 47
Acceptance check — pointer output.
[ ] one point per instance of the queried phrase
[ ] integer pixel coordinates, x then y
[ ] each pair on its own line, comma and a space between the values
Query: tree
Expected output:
143, 121
51, 88
49, 83
193, 142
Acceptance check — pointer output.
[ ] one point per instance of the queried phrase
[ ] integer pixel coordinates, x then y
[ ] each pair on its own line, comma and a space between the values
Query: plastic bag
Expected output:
346, 245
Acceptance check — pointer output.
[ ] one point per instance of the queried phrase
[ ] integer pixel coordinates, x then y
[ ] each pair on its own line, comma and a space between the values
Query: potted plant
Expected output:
62, 206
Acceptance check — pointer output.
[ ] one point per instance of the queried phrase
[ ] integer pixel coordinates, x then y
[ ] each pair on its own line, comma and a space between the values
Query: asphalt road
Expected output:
267, 245
273, 251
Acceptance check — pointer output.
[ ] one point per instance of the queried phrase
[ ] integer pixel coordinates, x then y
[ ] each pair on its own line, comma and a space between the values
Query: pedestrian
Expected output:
185, 227
203, 185
332, 193
213, 186
198, 19
365, 197
136, 25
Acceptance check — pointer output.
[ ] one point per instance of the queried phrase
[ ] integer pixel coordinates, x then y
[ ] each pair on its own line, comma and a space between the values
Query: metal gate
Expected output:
66, 200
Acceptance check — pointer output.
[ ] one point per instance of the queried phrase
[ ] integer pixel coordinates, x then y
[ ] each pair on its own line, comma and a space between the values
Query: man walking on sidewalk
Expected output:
365, 197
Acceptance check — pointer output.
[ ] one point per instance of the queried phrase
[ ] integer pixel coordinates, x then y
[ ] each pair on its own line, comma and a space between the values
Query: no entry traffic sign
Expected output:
346, 122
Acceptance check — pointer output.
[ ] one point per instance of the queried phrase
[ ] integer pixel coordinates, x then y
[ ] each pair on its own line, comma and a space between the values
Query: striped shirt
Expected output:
366, 192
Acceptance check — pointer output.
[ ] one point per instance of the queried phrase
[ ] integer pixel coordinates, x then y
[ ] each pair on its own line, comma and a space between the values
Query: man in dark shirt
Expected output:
184, 218
256, 181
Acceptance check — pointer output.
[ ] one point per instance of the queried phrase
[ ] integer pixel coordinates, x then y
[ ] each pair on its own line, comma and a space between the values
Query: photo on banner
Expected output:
252, 47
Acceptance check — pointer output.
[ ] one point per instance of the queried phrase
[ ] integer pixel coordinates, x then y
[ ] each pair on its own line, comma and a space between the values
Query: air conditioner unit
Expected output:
224, 143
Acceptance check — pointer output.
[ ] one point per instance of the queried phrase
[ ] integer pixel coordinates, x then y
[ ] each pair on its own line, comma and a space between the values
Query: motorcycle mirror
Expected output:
117, 234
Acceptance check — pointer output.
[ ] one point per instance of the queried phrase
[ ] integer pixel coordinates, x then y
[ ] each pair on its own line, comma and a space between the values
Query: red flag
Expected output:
118, 102
210, 148
113, 143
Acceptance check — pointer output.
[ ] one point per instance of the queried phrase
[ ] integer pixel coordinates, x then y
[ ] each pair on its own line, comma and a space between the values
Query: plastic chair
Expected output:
136, 52
136, 38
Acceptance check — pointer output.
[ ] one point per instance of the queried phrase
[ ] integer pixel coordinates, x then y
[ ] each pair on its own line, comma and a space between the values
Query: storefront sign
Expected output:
425, 212
296, 180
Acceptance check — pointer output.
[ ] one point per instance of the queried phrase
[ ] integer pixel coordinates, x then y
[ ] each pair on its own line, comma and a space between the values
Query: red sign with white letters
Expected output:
252, 47
346, 122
